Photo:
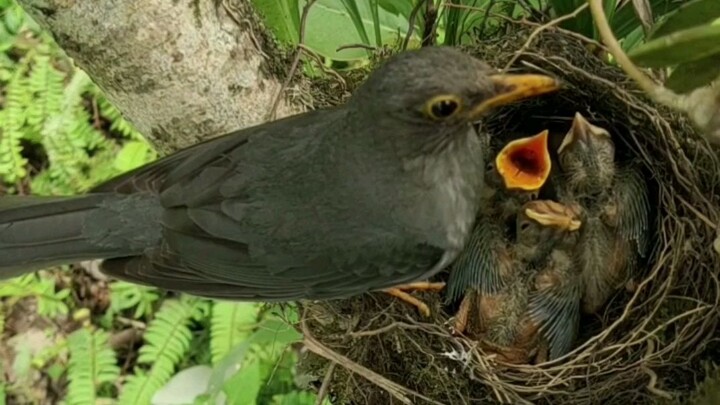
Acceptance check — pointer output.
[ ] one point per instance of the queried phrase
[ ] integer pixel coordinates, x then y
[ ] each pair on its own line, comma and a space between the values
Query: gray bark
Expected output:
180, 71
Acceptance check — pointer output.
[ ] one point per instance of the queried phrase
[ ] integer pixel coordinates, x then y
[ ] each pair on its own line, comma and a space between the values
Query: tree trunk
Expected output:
179, 71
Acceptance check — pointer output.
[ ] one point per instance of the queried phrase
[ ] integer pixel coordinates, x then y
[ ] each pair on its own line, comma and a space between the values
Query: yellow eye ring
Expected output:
443, 107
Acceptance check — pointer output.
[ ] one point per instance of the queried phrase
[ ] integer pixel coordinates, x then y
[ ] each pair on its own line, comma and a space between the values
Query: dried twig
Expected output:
540, 29
398, 391
325, 387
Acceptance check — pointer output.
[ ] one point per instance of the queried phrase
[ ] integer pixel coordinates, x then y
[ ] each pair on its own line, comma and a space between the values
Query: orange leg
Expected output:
400, 293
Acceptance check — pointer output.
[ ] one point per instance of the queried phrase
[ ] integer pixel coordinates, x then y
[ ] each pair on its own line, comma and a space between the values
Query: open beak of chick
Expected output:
524, 164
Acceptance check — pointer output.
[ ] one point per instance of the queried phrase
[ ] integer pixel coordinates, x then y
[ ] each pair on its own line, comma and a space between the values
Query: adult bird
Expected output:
378, 192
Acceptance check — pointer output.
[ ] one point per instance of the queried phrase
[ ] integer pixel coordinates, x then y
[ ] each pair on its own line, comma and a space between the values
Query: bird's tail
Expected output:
39, 232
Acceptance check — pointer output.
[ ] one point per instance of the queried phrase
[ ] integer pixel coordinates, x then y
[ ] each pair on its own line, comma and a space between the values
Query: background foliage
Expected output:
73, 337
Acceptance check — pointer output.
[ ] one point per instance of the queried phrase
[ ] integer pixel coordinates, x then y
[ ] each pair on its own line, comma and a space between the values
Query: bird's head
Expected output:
436, 90
587, 156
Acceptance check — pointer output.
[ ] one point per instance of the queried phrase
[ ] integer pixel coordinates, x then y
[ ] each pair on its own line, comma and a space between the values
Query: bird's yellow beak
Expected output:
581, 131
551, 213
511, 88
524, 164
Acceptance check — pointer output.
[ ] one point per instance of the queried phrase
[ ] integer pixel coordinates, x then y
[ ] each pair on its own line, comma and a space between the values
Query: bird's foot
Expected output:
401, 293
462, 315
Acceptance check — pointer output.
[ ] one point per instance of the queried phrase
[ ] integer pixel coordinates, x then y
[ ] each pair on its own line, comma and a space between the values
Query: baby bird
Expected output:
614, 204
514, 177
555, 302
538, 304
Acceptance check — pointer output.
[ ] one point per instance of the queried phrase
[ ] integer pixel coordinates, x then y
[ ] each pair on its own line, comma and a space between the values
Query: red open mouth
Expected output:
525, 163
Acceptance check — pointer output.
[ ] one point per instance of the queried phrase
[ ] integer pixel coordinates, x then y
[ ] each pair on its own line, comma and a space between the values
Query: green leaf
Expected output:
92, 364
633, 39
327, 29
398, 7
297, 398
680, 47
167, 341
184, 387
282, 17
690, 14
352, 9
272, 333
689, 76
243, 387
133, 154
231, 323
582, 23
626, 20
375, 11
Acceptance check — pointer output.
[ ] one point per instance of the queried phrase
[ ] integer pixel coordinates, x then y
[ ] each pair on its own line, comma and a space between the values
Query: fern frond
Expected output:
12, 120
92, 364
167, 339
231, 323
50, 303
117, 122
125, 295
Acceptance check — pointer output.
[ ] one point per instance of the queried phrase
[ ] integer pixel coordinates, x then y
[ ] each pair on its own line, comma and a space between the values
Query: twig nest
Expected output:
643, 343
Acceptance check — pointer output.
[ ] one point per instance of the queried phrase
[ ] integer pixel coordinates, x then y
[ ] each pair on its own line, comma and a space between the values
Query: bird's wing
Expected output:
479, 264
191, 161
153, 176
222, 269
557, 310
631, 198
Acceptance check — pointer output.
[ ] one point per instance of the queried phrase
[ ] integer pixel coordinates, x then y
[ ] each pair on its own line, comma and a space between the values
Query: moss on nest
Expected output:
644, 348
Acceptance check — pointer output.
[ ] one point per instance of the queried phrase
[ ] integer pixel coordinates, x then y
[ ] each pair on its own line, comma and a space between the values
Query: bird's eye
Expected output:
442, 107
524, 226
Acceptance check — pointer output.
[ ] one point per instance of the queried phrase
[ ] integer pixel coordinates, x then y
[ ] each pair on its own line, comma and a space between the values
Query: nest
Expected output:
645, 346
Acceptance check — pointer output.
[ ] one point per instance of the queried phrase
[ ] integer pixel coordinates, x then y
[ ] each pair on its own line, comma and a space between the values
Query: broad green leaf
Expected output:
132, 155
282, 17
689, 76
352, 8
328, 23
243, 387
680, 47
398, 7
691, 14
